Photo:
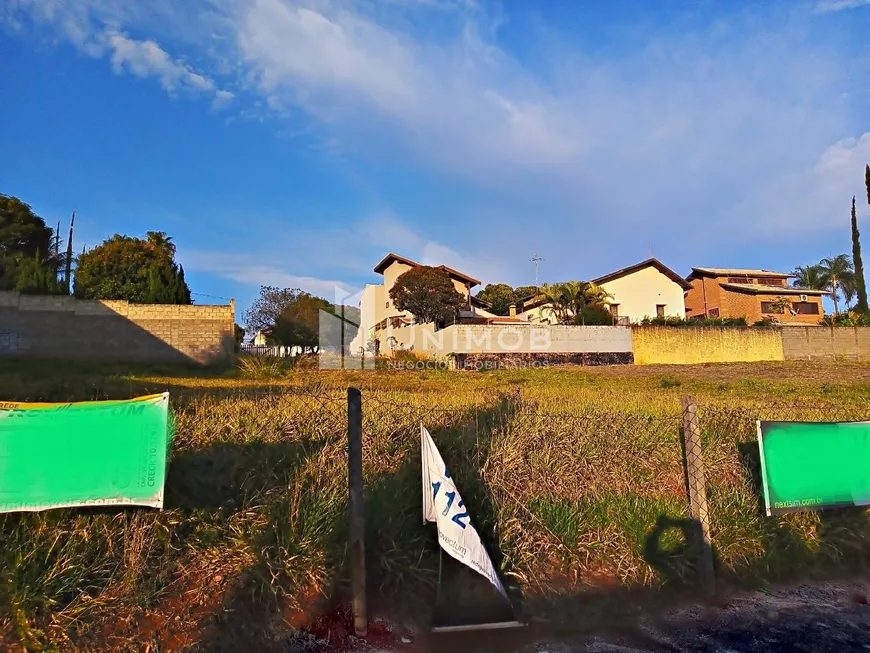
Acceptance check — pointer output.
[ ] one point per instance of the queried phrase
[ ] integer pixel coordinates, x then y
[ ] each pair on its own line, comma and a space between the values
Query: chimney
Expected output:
512, 311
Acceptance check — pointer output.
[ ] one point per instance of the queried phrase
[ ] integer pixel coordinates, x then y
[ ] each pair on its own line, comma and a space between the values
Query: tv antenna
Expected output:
536, 260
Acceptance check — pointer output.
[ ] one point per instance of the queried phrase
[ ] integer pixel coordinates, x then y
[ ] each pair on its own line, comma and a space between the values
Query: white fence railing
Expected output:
277, 351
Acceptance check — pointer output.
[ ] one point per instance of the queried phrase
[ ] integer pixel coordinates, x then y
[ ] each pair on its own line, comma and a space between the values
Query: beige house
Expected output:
377, 310
647, 289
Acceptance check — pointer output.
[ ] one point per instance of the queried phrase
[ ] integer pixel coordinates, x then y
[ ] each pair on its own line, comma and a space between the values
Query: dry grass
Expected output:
566, 473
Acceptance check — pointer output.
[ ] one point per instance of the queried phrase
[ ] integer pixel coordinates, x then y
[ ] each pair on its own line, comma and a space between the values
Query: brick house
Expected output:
753, 294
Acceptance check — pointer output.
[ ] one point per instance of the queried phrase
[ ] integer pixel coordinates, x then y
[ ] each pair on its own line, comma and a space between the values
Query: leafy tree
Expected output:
809, 276
298, 323
23, 237
141, 271
239, 334
265, 310
860, 285
499, 296
838, 276
428, 294
524, 292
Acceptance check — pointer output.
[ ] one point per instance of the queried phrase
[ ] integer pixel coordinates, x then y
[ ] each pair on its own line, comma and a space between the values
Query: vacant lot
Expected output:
573, 477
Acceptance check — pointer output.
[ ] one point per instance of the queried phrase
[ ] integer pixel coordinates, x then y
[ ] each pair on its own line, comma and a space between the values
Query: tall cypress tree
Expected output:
182, 295
154, 285
860, 284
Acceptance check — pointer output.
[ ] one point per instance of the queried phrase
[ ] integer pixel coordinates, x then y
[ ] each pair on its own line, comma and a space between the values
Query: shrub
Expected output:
847, 319
593, 316
261, 367
674, 321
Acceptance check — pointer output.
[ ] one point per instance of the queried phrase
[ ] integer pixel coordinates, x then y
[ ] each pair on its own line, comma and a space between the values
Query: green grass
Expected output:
573, 477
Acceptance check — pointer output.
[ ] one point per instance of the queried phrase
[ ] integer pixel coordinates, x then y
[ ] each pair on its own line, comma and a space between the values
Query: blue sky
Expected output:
294, 143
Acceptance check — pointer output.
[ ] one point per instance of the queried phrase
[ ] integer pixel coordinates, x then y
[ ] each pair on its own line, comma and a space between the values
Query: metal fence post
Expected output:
697, 484
357, 516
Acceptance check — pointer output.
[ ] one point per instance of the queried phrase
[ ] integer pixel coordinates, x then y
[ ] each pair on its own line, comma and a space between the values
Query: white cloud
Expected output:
147, 59
825, 6
94, 28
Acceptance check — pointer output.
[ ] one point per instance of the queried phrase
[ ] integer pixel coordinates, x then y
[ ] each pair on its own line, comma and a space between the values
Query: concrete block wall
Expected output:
508, 339
64, 327
825, 343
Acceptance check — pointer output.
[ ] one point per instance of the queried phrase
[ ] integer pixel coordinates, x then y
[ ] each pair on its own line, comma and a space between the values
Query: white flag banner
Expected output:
443, 505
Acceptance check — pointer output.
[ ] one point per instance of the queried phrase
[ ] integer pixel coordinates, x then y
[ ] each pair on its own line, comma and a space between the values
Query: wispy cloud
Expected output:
95, 28
826, 6
147, 59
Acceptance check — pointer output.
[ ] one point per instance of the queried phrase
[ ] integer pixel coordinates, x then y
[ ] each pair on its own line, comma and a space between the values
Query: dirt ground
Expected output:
822, 618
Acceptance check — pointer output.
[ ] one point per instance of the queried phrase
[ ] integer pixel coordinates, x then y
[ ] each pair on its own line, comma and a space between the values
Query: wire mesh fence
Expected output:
560, 493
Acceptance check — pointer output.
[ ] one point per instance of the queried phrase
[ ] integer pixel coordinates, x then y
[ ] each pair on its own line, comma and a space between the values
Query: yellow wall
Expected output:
687, 345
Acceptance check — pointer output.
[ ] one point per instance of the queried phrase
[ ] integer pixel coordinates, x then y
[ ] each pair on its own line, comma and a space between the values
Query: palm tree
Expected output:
809, 276
838, 275
162, 243
596, 295
557, 299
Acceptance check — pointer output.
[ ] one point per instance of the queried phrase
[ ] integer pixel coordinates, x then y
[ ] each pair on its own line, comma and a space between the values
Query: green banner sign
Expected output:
83, 454
813, 465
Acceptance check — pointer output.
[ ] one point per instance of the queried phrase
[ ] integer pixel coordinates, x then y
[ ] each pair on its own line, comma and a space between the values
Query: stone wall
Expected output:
67, 328
687, 345
824, 343
507, 361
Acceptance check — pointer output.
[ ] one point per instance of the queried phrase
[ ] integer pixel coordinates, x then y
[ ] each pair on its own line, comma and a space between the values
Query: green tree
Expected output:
182, 291
860, 284
138, 270
837, 276
298, 323
23, 237
809, 276
428, 294
37, 278
499, 296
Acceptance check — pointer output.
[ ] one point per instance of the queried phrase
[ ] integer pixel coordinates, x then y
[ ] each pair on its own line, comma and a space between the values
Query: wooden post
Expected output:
697, 484
357, 515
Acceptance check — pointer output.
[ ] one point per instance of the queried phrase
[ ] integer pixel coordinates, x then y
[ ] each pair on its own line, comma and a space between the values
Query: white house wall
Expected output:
638, 294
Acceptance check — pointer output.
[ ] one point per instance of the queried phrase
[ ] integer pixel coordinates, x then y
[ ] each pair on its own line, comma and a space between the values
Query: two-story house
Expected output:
377, 310
751, 294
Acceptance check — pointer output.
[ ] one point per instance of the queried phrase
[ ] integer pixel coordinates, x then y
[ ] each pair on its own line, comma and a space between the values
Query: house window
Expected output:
772, 307
660, 310
739, 280
806, 308
614, 310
